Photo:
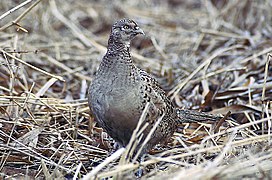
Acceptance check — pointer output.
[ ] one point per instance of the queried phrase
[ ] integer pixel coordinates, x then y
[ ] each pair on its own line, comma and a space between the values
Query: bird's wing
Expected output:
153, 93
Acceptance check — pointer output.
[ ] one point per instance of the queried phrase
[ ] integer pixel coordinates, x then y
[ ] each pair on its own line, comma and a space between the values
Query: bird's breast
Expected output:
117, 104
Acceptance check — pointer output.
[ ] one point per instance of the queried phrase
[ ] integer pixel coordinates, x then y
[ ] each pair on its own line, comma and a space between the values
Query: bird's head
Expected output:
125, 30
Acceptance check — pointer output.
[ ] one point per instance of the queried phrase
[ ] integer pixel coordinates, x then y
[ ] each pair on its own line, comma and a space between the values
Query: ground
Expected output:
211, 56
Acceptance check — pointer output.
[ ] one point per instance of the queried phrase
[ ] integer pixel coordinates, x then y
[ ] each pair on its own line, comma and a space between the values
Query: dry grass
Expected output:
211, 55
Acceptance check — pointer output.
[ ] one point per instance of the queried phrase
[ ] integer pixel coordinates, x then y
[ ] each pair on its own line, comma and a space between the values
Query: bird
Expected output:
120, 90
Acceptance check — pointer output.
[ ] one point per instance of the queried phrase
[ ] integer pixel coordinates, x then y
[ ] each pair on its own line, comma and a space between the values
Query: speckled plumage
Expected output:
120, 91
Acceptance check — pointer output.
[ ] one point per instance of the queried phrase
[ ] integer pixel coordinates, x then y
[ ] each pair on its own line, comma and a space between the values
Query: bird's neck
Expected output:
118, 52
117, 59
115, 45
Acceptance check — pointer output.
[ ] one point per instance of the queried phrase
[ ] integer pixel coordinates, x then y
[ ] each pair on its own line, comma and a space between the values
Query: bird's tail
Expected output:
188, 116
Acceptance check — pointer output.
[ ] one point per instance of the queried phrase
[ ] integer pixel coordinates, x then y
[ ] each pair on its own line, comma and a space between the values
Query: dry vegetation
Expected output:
209, 55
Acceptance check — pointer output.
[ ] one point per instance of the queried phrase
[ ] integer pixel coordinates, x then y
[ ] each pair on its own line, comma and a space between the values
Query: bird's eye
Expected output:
126, 27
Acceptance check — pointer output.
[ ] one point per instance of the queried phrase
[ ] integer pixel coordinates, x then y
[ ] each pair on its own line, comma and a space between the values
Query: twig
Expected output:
133, 139
15, 8
33, 67
31, 153
17, 20
211, 149
77, 171
75, 30
220, 33
109, 159
177, 89
268, 58
265, 51
216, 128
64, 67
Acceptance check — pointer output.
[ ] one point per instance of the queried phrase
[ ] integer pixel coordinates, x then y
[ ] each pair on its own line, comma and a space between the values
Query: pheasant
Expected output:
120, 91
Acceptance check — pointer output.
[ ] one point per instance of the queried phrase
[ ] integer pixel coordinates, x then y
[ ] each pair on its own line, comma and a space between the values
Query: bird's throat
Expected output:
118, 53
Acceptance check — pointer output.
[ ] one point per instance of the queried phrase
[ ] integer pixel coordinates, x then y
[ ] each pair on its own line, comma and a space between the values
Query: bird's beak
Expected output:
140, 31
